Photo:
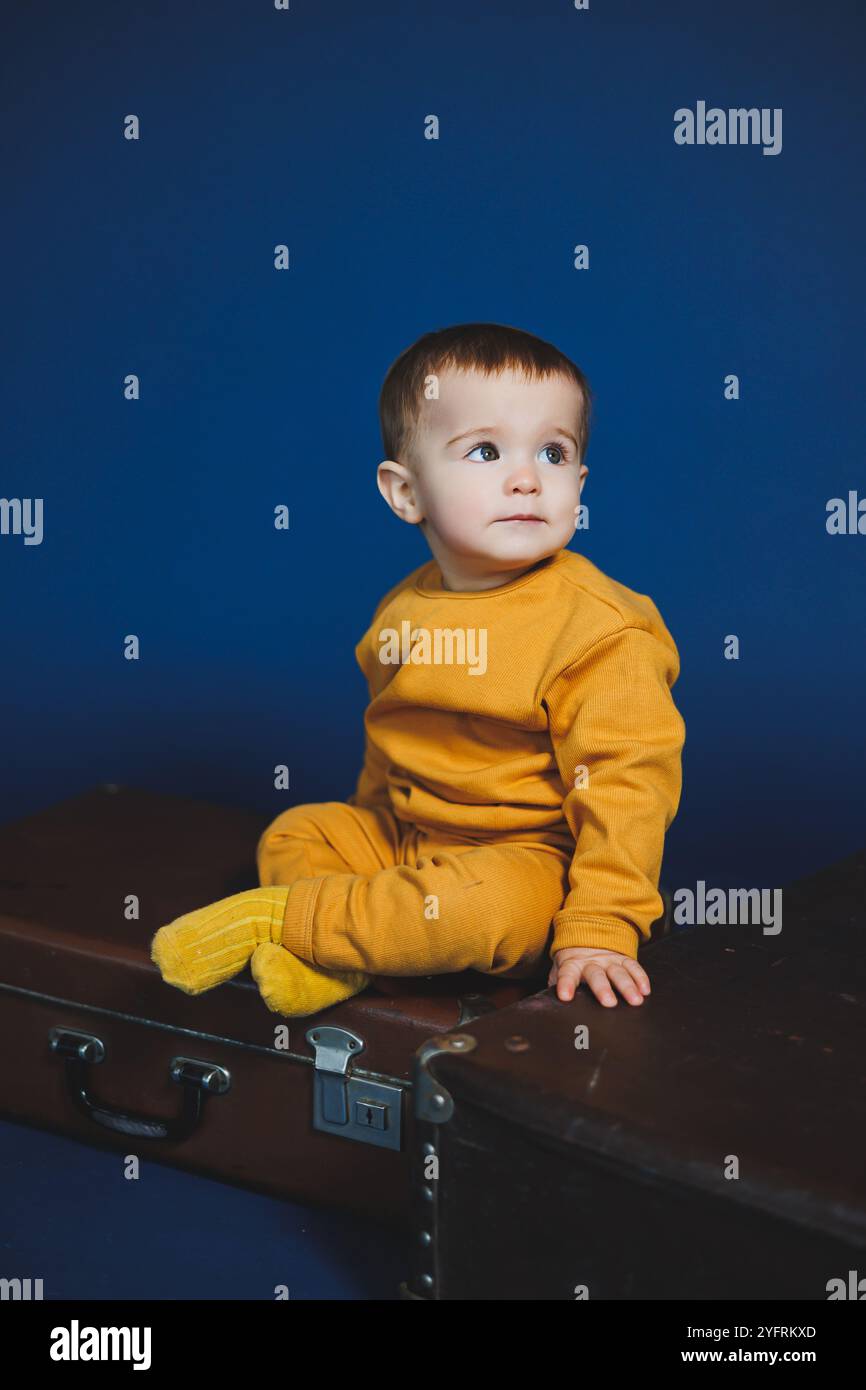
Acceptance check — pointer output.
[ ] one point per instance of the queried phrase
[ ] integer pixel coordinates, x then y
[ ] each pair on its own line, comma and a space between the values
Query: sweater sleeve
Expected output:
617, 737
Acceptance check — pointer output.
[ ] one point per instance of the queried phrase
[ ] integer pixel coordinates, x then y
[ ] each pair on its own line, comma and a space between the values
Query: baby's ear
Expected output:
394, 481
389, 479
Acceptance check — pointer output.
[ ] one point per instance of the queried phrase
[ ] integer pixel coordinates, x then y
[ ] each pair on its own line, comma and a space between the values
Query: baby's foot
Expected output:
293, 987
210, 945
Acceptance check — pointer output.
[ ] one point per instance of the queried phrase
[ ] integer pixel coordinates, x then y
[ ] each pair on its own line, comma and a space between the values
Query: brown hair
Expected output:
482, 347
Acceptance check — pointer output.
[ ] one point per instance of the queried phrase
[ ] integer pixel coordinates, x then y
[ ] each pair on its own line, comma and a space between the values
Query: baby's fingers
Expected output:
595, 976
625, 983
567, 979
627, 976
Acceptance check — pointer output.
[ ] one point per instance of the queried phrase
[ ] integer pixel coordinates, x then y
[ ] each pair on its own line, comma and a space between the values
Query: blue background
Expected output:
306, 127
89, 1232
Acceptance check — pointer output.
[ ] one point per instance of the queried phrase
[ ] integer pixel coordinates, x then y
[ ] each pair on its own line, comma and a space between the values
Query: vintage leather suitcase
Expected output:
96, 1045
567, 1173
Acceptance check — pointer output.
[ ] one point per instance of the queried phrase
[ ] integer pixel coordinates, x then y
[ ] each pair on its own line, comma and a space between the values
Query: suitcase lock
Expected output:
351, 1106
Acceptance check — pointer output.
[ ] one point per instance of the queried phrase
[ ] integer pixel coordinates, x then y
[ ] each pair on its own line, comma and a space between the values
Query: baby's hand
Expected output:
599, 969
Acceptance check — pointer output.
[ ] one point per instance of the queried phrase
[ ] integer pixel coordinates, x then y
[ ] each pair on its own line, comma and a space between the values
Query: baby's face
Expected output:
489, 448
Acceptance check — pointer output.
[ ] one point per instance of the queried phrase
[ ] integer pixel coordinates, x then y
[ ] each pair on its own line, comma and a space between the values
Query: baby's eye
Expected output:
557, 448
485, 445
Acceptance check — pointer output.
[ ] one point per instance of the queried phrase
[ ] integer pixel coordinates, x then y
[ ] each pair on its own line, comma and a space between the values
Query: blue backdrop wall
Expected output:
306, 126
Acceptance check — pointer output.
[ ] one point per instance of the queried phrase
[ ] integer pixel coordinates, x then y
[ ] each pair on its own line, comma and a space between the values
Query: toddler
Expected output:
522, 749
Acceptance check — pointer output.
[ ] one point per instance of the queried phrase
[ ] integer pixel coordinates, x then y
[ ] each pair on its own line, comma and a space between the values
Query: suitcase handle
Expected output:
198, 1079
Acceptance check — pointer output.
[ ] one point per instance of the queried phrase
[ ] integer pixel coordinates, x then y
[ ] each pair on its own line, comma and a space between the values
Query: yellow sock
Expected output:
205, 947
294, 987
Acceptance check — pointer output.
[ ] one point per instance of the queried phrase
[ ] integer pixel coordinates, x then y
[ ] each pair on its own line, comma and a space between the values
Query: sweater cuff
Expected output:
595, 931
297, 935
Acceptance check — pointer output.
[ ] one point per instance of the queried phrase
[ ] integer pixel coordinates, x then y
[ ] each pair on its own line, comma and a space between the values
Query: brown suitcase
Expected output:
97, 1046
566, 1173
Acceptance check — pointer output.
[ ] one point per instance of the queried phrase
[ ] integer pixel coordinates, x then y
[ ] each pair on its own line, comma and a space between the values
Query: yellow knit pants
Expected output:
373, 894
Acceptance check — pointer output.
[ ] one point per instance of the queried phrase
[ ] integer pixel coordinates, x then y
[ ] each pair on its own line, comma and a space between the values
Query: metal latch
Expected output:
369, 1111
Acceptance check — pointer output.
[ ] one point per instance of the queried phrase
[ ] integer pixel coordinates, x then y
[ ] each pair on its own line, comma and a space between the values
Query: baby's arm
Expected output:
618, 739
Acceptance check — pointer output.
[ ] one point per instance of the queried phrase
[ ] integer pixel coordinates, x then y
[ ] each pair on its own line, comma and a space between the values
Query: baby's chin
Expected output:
507, 543
516, 556
523, 538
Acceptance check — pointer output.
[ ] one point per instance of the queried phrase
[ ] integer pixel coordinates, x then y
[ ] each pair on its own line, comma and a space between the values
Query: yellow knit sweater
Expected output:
536, 711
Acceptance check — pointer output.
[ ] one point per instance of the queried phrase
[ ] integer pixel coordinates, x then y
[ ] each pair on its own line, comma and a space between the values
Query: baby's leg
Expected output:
450, 908
326, 837
205, 947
